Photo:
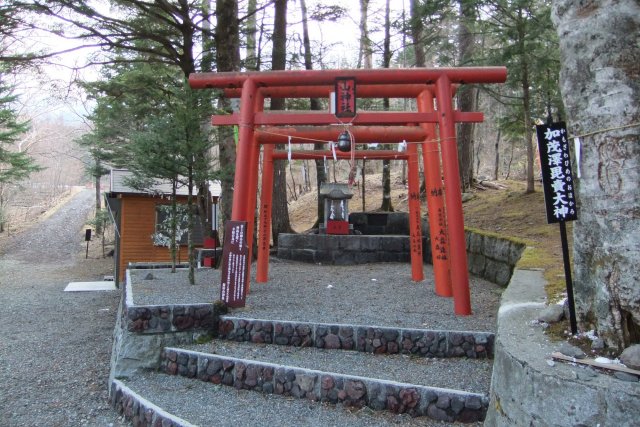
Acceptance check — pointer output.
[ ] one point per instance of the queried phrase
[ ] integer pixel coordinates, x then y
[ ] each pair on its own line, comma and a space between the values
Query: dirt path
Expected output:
54, 346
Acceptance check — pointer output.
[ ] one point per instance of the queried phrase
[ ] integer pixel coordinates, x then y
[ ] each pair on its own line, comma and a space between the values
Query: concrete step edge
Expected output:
140, 411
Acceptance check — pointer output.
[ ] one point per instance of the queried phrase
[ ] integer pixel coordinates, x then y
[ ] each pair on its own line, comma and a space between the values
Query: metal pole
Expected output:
567, 277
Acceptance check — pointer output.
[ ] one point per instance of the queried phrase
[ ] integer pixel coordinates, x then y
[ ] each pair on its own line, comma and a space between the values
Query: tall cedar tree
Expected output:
280, 218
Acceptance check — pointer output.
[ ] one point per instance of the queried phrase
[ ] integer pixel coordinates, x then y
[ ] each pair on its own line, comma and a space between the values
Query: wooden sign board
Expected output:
235, 264
345, 97
557, 178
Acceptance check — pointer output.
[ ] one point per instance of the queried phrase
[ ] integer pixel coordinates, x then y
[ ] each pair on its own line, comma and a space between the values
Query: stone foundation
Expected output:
490, 257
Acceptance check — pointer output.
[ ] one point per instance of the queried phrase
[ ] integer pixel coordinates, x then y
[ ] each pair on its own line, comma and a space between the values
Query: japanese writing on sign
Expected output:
234, 264
557, 178
345, 97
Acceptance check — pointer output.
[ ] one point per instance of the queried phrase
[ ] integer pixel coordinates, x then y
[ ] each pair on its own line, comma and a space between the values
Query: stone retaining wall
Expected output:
141, 332
489, 256
139, 411
437, 403
378, 340
492, 257
343, 250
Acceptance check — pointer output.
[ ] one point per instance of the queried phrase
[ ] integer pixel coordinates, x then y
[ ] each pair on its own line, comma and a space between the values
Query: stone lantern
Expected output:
336, 208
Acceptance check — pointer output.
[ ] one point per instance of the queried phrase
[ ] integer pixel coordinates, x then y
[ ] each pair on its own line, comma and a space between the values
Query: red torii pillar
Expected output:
435, 201
453, 199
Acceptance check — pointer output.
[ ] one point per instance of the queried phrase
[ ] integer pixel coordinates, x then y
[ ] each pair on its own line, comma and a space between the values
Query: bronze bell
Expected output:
344, 142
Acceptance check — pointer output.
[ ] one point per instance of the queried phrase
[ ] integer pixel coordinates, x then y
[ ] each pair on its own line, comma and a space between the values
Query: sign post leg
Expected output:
567, 277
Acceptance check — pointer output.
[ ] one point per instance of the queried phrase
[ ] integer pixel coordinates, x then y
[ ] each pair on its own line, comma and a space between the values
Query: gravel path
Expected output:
370, 294
54, 346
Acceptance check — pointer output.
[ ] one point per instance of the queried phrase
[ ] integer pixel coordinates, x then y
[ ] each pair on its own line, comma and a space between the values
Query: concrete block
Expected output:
303, 255
369, 243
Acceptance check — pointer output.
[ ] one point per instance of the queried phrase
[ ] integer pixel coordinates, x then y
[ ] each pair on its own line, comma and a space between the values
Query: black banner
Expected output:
557, 178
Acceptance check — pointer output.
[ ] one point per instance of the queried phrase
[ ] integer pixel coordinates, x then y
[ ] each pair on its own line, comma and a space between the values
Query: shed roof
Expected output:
119, 185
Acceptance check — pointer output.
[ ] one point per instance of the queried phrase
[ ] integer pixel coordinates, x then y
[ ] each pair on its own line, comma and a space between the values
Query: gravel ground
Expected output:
227, 407
370, 294
54, 346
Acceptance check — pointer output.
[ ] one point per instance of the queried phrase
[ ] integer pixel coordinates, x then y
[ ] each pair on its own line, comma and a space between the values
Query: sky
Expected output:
50, 96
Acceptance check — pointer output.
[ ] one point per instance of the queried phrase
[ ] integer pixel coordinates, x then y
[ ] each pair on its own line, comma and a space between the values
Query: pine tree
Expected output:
15, 164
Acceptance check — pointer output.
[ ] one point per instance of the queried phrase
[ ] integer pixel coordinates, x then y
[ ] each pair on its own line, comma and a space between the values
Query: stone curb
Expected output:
139, 410
436, 403
369, 339
528, 389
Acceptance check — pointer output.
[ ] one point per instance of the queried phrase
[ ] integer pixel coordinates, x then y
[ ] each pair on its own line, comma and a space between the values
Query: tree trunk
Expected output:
173, 250
417, 34
496, 166
251, 63
321, 176
365, 56
227, 59
387, 205
190, 246
526, 100
466, 93
599, 49
280, 212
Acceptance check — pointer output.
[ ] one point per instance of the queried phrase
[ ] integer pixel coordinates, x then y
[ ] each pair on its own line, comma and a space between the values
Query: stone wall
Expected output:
142, 331
489, 256
377, 340
437, 403
382, 223
492, 257
343, 250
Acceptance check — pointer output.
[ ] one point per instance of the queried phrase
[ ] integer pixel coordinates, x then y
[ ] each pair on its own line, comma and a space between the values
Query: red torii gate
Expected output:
255, 86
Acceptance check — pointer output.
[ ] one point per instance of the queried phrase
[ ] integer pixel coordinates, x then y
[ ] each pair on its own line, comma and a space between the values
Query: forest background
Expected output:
120, 68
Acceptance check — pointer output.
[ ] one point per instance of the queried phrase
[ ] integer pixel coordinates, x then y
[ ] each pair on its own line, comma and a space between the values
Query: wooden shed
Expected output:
136, 215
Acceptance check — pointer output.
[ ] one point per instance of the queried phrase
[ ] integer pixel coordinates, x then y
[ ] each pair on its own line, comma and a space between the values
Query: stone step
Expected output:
164, 400
431, 372
418, 400
369, 339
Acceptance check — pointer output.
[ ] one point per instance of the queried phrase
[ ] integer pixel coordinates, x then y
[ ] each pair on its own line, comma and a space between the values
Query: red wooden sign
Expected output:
345, 97
235, 265
337, 227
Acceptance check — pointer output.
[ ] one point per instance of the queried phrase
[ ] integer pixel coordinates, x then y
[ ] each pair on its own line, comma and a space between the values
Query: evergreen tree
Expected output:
523, 39
15, 164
